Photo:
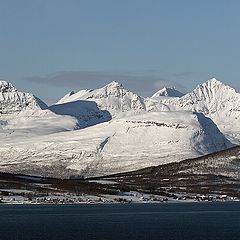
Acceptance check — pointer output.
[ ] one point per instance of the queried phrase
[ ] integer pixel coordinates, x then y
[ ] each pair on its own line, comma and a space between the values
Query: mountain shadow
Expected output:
86, 112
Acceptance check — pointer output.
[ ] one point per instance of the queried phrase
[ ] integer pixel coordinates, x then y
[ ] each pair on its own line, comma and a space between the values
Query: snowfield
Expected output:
36, 122
117, 146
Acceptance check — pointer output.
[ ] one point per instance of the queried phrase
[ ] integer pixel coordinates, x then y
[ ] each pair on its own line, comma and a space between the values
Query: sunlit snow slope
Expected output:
214, 99
119, 145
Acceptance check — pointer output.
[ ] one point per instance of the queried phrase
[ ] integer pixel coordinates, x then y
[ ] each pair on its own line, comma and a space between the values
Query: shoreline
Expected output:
119, 203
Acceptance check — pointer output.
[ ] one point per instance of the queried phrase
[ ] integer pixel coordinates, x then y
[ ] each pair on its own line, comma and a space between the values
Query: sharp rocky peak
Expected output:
6, 87
13, 101
214, 85
113, 89
71, 93
213, 82
168, 92
114, 84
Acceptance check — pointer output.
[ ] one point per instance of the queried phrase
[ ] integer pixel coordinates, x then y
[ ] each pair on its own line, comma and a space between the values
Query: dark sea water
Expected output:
131, 221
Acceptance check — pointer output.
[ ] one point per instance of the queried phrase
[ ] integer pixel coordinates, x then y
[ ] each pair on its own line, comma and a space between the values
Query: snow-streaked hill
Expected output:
13, 101
216, 100
225, 163
167, 92
117, 146
112, 97
216, 173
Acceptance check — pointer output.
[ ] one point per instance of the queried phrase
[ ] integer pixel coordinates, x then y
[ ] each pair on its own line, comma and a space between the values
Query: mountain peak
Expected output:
3, 82
215, 85
71, 93
167, 92
6, 86
13, 101
112, 89
214, 81
114, 84
112, 97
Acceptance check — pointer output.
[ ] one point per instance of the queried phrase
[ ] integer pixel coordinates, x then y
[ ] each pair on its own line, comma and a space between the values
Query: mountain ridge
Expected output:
139, 132
216, 100
112, 97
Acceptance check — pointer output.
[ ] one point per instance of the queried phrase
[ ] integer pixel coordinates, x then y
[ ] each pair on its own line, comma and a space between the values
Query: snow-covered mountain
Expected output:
28, 114
120, 145
167, 92
13, 101
216, 100
23, 114
112, 97
40, 140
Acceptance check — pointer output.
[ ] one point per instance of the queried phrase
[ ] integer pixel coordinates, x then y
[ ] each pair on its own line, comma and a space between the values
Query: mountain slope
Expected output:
223, 163
86, 112
218, 101
214, 99
112, 97
72, 96
216, 173
120, 145
31, 123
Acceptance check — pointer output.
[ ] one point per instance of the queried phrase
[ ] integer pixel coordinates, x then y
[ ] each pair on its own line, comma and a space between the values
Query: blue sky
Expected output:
51, 47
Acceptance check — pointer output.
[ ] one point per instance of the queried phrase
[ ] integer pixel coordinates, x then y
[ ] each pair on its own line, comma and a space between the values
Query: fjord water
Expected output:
218, 221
